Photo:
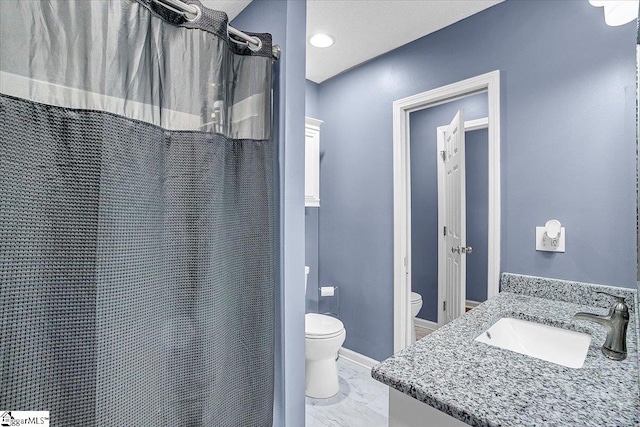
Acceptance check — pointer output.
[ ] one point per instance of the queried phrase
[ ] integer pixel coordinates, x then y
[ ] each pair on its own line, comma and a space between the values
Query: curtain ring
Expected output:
197, 15
252, 47
256, 47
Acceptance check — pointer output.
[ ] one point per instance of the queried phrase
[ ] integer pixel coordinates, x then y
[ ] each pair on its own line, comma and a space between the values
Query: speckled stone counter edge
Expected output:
565, 290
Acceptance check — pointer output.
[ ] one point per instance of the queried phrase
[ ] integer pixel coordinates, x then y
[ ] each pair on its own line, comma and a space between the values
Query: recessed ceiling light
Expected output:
321, 40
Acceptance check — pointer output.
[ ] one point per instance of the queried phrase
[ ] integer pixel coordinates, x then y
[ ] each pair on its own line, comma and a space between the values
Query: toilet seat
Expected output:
415, 298
321, 326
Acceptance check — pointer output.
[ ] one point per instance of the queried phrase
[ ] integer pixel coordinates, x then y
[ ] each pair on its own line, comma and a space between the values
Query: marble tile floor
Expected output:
361, 401
422, 332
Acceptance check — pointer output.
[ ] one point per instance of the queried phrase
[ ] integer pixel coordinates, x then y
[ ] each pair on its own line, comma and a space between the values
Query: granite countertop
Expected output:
484, 385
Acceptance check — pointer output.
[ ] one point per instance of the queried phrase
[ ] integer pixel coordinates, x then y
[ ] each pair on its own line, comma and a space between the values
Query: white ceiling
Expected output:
364, 29
231, 7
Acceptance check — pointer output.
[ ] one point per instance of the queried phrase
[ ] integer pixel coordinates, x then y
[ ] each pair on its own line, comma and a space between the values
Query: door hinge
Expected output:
444, 306
444, 233
443, 154
405, 261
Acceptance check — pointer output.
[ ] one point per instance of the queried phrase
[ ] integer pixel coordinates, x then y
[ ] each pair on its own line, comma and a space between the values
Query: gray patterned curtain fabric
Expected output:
137, 242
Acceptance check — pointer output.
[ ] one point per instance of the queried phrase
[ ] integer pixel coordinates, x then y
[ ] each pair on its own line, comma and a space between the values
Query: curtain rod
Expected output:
192, 12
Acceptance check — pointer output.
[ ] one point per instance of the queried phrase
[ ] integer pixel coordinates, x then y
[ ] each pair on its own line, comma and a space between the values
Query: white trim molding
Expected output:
489, 83
471, 125
357, 358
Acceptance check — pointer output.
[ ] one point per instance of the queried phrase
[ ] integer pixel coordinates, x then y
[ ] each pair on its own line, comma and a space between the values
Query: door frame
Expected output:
469, 126
489, 83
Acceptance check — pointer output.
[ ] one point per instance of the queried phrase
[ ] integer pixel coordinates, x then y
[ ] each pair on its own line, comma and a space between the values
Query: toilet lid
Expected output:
321, 325
415, 297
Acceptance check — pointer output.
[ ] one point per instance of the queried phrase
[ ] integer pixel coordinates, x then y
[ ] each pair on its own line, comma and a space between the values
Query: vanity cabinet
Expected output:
312, 163
405, 411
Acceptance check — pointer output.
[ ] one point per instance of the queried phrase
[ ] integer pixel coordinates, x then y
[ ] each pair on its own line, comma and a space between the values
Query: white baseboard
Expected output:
357, 358
425, 324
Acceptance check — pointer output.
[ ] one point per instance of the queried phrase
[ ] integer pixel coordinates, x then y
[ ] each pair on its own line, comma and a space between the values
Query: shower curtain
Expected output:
137, 243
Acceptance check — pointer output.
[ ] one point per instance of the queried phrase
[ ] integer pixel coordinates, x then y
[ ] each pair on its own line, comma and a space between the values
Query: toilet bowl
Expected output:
324, 336
416, 305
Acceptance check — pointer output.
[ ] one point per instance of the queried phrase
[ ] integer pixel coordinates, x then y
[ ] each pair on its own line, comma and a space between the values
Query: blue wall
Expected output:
568, 151
311, 257
424, 200
476, 153
311, 99
286, 21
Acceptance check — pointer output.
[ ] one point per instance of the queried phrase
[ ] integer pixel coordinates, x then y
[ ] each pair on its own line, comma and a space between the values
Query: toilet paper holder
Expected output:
328, 291
328, 301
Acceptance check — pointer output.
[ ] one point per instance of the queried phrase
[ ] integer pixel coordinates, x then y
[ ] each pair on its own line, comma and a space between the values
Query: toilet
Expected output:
416, 305
324, 336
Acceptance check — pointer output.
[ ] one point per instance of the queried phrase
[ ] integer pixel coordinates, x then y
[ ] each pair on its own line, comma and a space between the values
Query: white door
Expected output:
455, 235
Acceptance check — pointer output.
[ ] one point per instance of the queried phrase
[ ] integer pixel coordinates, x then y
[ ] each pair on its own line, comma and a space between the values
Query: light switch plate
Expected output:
542, 245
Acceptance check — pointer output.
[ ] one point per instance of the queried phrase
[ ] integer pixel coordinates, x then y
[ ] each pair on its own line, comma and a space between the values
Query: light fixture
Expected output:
618, 12
321, 40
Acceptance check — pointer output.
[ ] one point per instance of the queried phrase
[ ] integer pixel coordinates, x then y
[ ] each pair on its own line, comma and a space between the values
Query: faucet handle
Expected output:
620, 305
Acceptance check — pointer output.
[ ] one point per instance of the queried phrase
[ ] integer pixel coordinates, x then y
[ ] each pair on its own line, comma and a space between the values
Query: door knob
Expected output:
466, 250
455, 249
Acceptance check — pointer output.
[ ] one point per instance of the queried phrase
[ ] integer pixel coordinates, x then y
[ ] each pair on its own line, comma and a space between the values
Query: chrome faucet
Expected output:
615, 346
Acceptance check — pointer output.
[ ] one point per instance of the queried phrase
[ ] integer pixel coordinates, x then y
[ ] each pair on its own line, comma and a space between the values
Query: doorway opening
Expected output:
486, 83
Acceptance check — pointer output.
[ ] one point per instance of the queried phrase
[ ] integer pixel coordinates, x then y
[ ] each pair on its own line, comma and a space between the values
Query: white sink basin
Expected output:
555, 345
